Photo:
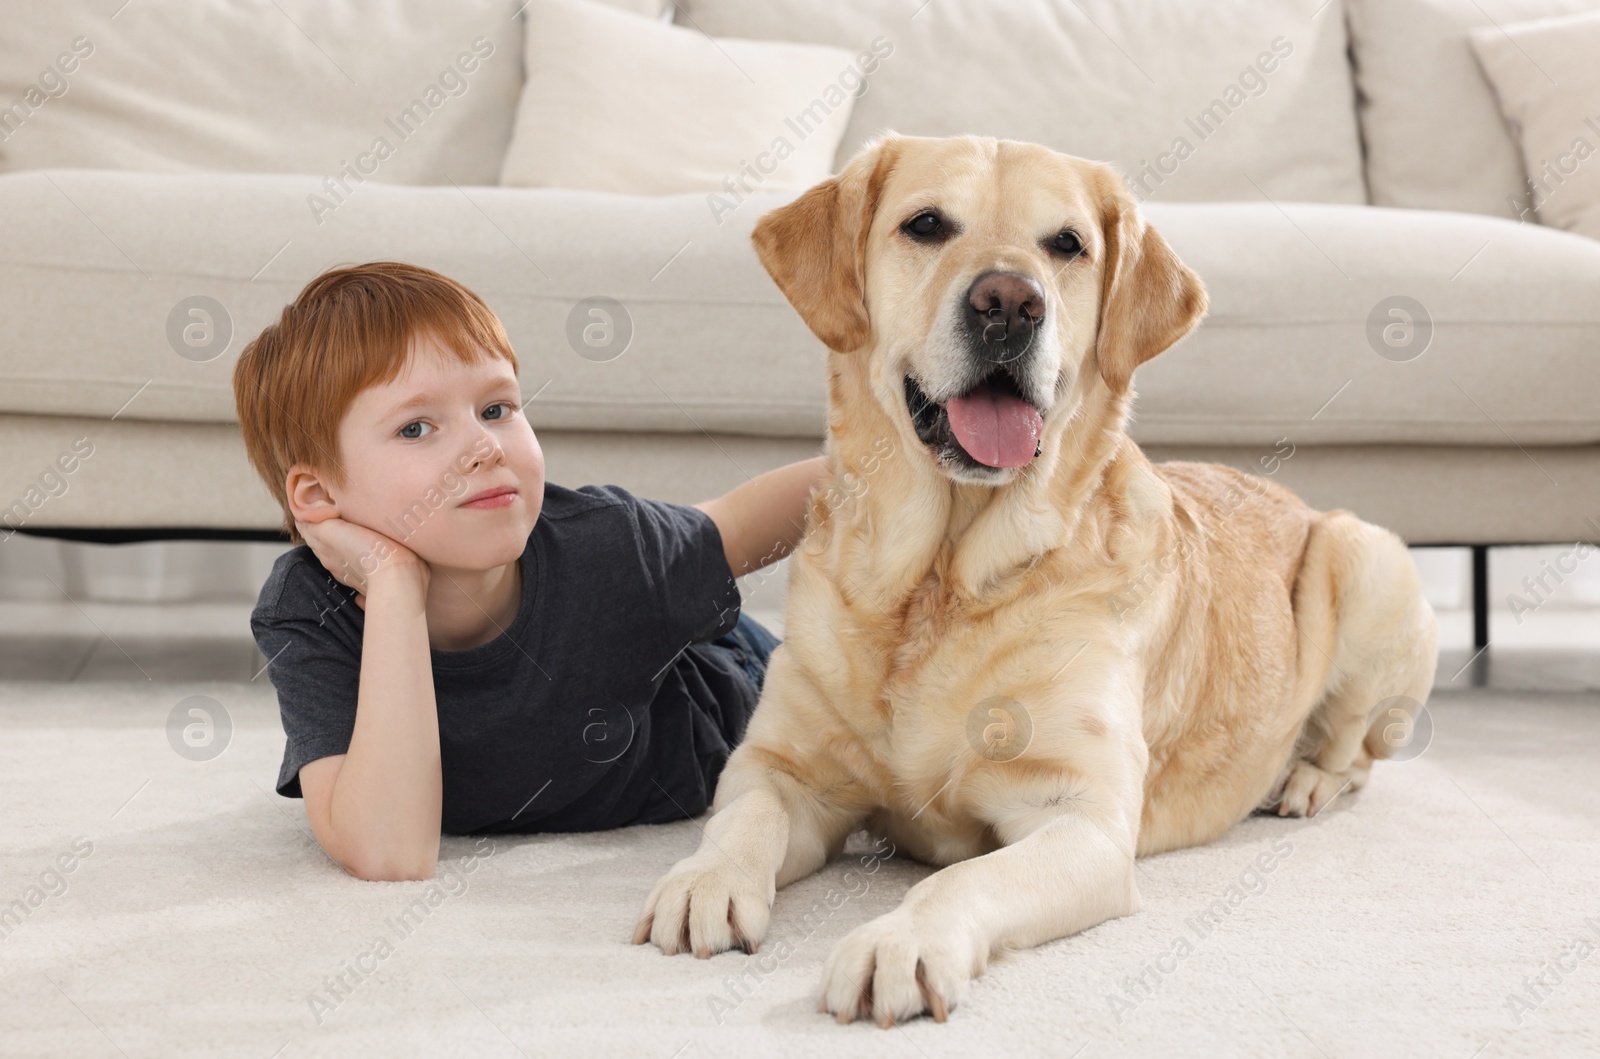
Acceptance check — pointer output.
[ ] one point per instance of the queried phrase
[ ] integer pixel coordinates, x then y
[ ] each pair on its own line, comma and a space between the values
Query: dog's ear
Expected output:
815, 247
1148, 298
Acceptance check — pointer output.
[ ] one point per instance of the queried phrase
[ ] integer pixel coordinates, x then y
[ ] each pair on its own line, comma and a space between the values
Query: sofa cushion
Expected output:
196, 474
1546, 76
615, 102
1434, 137
1221, 100
100, 268
1314, 331
101, 319
394, 91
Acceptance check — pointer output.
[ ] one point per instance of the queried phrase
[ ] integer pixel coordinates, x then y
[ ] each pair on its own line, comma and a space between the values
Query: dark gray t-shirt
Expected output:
601, 705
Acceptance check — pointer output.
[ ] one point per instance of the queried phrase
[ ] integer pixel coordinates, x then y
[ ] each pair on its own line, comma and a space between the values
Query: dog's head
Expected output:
989, 283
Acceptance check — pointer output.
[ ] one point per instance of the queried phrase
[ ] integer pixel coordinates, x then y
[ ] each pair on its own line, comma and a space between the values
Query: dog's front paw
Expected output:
1309, 789
706, 905
892, 969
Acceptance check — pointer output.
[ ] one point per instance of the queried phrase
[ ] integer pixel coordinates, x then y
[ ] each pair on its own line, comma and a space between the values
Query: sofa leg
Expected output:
1480, 596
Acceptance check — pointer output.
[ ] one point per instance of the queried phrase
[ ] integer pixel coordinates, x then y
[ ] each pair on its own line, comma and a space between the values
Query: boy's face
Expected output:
413, 466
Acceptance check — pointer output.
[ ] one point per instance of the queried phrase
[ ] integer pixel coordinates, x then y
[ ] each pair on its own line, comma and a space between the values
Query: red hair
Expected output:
351, 328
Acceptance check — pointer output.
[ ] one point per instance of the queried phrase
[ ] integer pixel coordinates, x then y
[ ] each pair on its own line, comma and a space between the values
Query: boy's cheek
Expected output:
540, 464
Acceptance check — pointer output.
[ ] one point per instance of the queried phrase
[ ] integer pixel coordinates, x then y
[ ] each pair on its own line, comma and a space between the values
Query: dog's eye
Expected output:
1068, 243
925, 225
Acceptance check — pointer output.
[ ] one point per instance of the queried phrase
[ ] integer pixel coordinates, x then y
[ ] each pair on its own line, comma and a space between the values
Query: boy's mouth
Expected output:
499, 496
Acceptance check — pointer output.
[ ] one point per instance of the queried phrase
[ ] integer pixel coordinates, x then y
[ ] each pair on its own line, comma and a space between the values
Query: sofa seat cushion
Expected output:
1307, 336
99, 266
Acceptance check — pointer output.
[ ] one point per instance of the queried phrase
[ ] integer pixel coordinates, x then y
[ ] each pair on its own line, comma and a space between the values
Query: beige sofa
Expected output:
1389, 332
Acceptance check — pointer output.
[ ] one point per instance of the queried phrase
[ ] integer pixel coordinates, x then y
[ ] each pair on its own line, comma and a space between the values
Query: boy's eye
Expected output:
510, 410
405, 430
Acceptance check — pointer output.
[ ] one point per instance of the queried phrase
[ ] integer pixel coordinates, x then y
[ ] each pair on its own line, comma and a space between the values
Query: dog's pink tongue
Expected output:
995, 427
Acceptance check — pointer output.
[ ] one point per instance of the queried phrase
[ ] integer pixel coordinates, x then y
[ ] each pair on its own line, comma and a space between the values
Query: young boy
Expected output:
459, 645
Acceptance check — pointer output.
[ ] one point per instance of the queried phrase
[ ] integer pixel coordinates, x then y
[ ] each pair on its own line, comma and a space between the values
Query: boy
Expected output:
518, 656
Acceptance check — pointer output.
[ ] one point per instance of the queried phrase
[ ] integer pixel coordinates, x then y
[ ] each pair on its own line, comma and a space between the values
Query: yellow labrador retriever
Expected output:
1014, 646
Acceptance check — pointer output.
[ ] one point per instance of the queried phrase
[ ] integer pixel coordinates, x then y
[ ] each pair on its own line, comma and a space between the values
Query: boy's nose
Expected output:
485, 448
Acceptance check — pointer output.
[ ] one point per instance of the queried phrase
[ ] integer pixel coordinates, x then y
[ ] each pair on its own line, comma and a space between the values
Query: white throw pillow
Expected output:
295, 86
1435, 138
1195, 100
614, 102
1546, 74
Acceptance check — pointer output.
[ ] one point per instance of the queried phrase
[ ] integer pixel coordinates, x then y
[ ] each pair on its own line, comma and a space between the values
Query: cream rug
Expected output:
174, 907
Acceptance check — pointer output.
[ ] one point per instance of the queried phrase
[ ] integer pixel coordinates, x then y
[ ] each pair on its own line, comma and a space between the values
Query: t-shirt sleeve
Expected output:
681, 548
311, 637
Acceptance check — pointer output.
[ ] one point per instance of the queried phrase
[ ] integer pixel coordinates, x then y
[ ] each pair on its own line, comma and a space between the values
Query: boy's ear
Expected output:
309, 499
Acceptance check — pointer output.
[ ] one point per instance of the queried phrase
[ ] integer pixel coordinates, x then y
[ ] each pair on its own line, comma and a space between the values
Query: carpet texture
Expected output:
174, 906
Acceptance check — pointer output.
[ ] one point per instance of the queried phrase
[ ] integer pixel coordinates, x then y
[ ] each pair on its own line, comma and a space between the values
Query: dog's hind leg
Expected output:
1358, 590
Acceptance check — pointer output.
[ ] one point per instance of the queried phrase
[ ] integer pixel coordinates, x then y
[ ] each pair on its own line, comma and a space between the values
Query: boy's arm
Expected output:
762, 520
376, 808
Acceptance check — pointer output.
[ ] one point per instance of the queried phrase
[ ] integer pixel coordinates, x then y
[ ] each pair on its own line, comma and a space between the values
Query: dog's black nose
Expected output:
1005, 305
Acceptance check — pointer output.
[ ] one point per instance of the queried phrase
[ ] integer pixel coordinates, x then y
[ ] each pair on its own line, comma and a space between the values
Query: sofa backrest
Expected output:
1197, 101
1192, 100
396, 91
1435, 137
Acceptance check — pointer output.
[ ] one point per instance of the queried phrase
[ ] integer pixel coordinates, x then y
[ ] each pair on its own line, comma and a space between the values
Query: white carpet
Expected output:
205, 920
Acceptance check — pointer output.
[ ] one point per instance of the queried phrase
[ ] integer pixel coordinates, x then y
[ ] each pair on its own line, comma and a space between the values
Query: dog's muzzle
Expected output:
1002, 312
990, 422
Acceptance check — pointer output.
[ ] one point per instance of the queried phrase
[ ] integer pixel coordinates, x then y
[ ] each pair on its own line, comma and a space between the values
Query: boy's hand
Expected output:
376, 808
354, 554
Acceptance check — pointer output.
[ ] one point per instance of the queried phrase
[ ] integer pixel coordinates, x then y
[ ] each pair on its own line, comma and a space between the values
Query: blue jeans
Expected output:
751, 644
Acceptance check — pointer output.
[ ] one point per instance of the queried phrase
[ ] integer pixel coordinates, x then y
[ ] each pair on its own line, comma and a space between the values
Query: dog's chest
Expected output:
927, 695
950, 723
934, 708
